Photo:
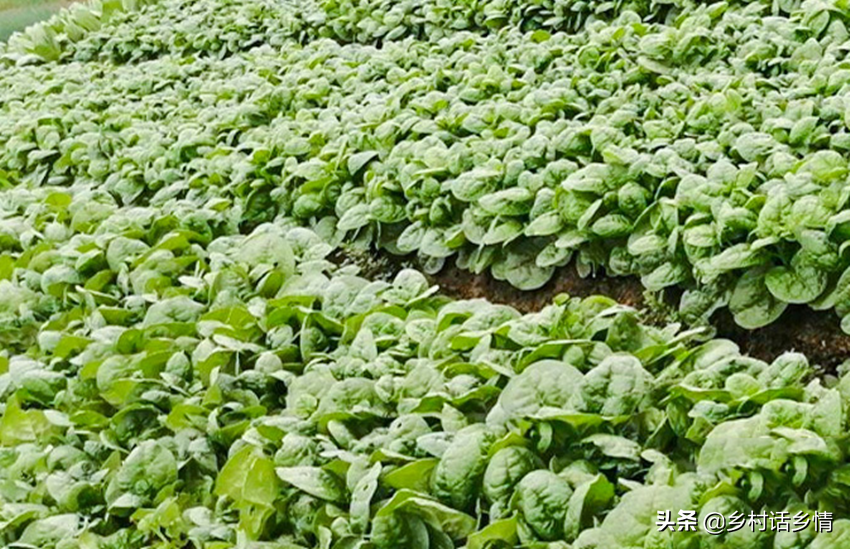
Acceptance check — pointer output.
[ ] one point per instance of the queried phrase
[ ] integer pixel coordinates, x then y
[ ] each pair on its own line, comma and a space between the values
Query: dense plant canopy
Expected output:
183, 366
701, 148
258, 396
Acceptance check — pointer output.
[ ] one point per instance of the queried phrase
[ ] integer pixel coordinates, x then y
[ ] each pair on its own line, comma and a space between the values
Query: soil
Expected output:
817, 334
465, 285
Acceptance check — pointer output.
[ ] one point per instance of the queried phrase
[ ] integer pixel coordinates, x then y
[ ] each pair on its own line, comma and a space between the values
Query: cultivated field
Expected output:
369, 274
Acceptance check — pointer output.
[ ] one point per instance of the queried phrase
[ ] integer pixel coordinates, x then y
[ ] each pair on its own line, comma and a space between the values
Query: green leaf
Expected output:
522, 271
801, 283
248, 476
588, 499
454, 523
506, 468
357, 161
547, 224
314, 481
741, 444
18, 426
504, 531
361, 497
752, 304
513, 201
355, 218
542, 498
415, 476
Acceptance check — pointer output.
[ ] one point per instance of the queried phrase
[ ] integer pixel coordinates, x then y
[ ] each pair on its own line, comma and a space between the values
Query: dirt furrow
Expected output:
817, 334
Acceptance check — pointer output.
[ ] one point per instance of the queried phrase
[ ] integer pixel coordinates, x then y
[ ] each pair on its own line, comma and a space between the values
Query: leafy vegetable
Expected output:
183, 366
685, 150
334, 410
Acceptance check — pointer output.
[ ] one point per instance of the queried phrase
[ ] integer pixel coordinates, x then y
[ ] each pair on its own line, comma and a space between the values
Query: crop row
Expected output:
181, 366
705, 154
133, 29
172, 383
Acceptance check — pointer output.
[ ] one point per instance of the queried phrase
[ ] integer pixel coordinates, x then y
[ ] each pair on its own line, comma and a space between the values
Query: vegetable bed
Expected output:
211, 336
698, 146
269, 399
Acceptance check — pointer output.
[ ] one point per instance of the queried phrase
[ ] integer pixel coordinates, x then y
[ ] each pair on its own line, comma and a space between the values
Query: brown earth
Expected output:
466, 285
817, 334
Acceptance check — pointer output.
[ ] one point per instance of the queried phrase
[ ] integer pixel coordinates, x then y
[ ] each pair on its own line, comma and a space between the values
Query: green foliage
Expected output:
179, 400
182, 366
695, 145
